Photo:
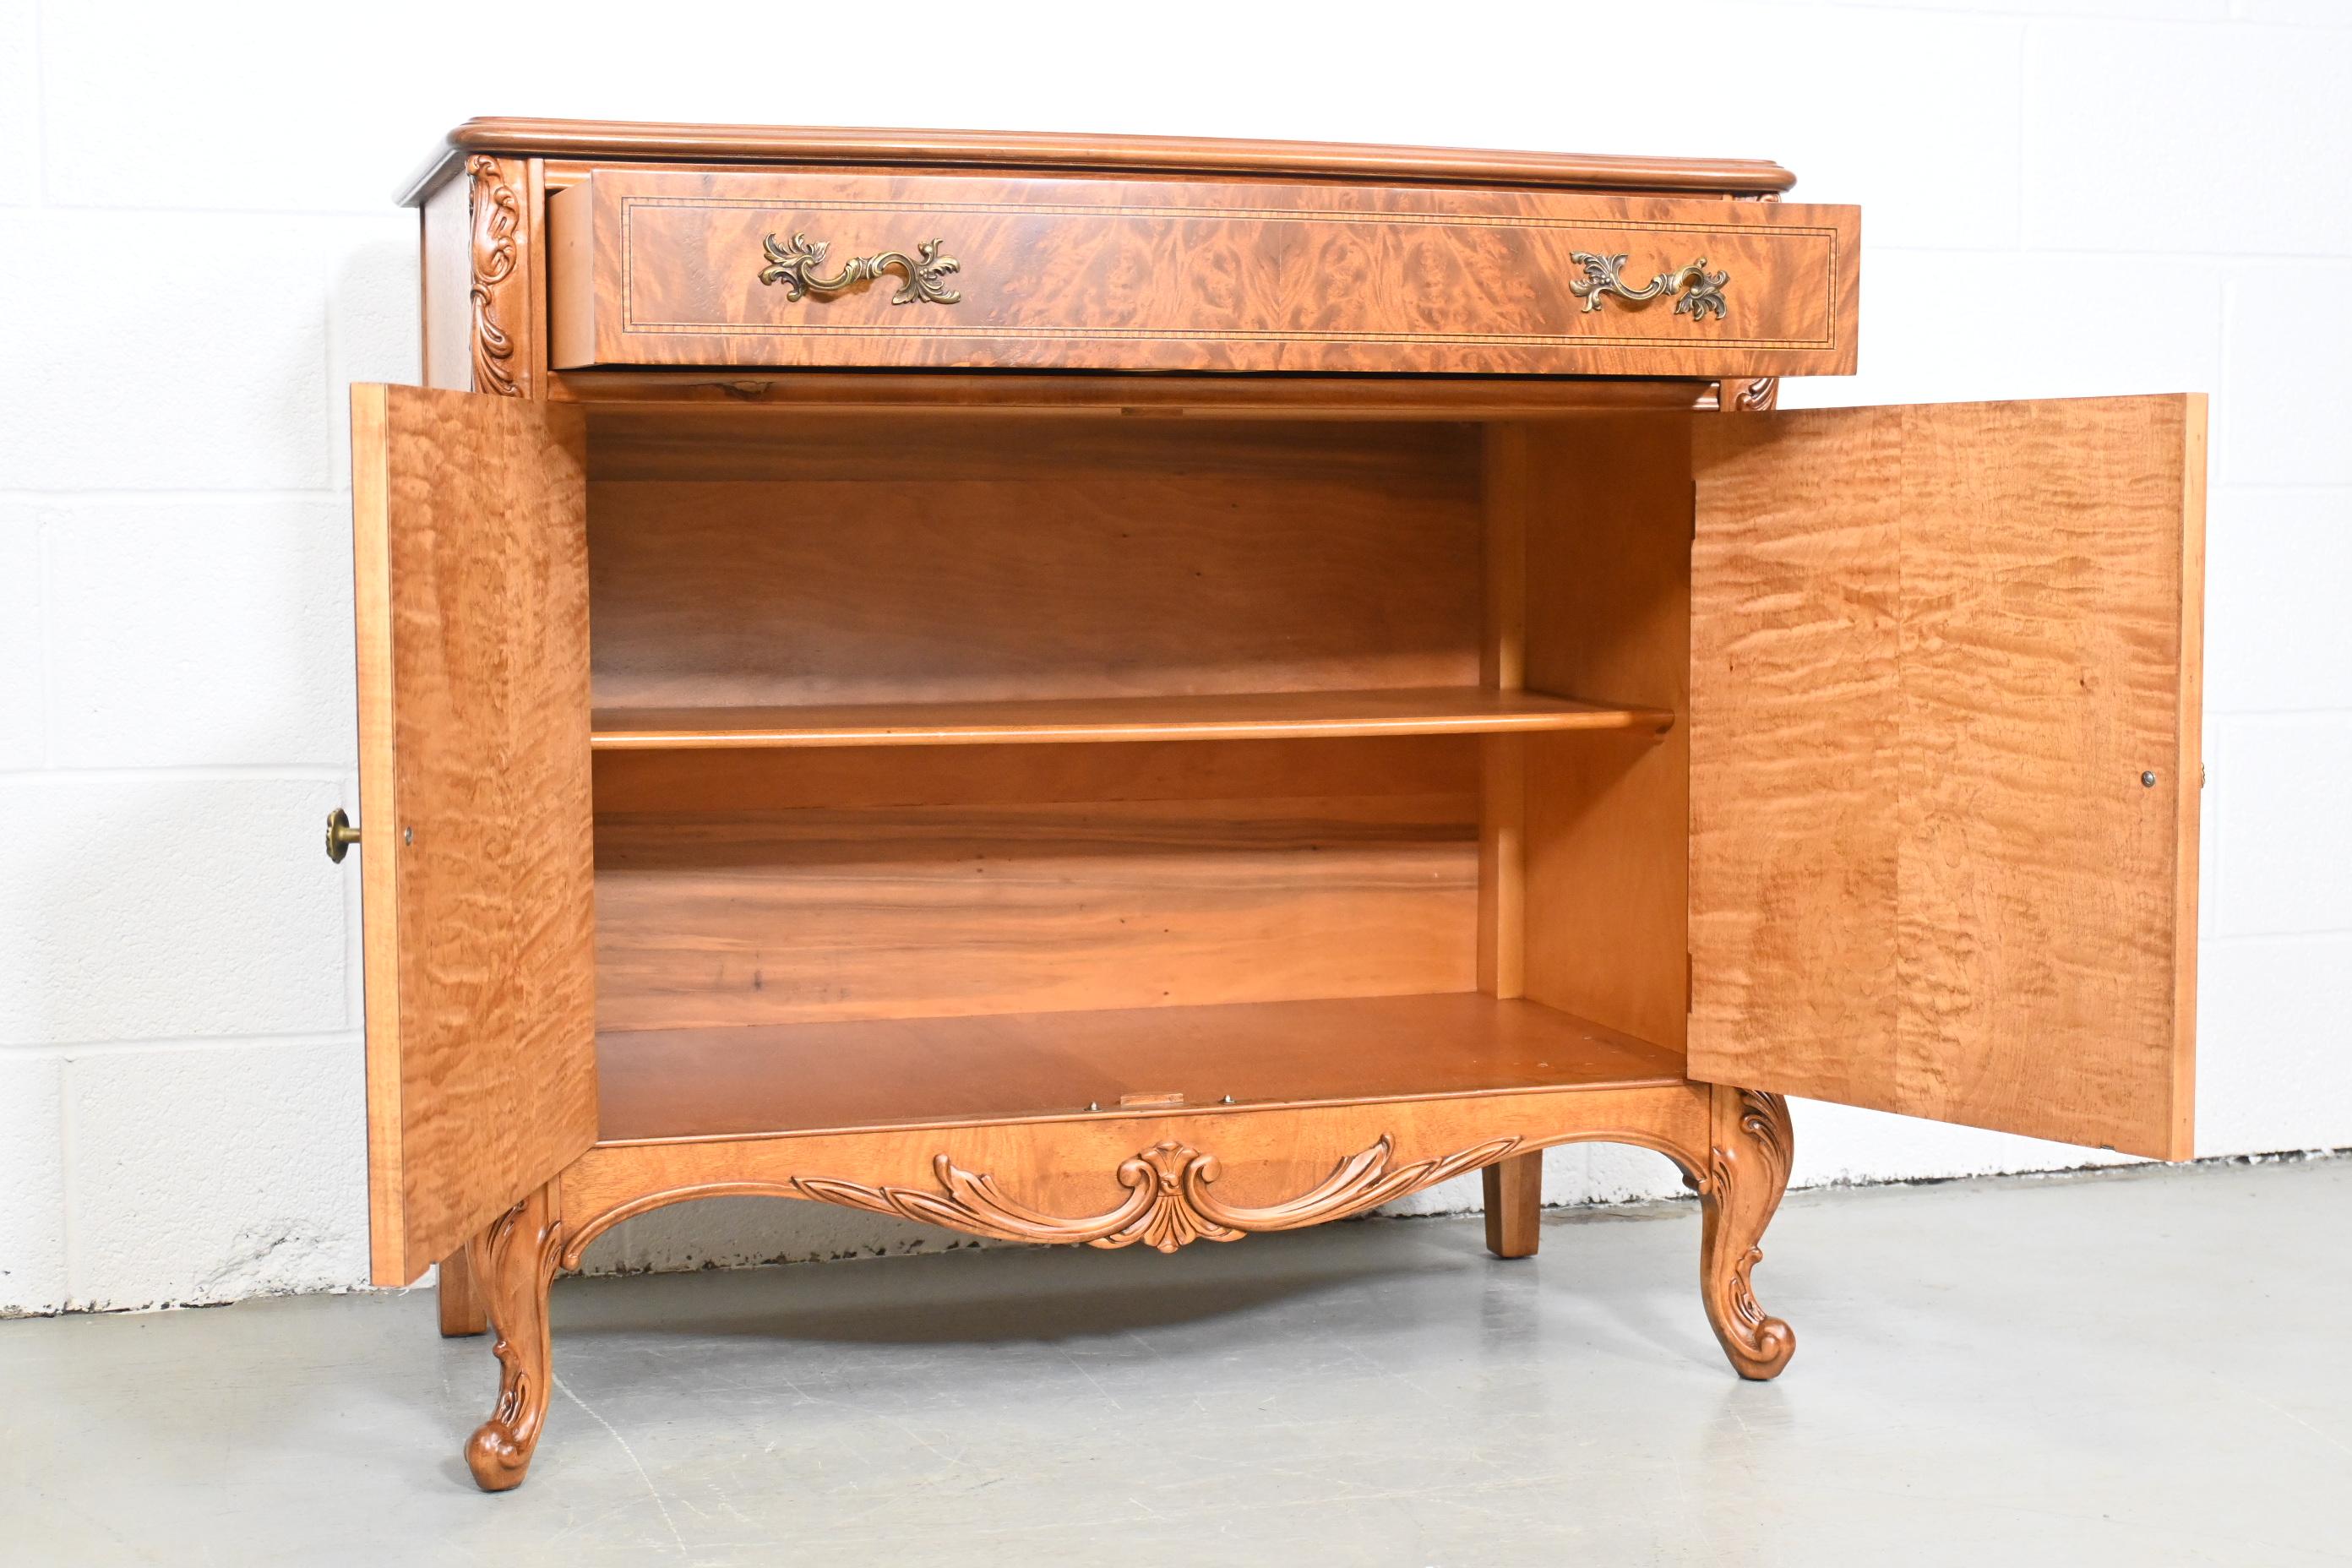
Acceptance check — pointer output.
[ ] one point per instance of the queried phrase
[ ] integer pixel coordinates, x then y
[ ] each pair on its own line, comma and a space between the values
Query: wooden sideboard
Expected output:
1128, 692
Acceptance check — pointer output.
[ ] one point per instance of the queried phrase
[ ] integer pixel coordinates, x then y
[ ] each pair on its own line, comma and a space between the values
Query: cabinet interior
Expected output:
957, 766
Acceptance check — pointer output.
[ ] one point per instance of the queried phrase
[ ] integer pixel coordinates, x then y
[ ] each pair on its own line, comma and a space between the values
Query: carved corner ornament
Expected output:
513, 1264
1760, 394
1748, 1171
497, 256
1696, 290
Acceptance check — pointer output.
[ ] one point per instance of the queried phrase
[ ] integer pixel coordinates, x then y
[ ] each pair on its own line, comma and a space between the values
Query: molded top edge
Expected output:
1072, 152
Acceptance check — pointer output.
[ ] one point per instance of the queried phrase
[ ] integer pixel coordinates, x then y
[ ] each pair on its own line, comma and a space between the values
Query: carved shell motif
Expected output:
1169, 1201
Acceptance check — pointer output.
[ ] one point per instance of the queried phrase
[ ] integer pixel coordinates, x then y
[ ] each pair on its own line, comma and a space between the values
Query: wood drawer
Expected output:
664, 266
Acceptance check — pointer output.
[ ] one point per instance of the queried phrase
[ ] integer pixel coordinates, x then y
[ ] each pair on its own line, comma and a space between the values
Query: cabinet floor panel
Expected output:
1249, 715
750, 1081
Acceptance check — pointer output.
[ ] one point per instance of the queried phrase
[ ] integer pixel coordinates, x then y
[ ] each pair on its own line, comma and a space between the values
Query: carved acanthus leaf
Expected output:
1747, 1172
497, 253
514, 1261
1169, 1201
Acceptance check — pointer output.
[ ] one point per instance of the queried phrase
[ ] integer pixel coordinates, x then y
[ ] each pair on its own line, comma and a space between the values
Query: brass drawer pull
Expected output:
340, 835
1600, 280
795, 263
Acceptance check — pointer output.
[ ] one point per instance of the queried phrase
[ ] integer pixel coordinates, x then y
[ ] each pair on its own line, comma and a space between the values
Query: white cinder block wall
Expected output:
197, 252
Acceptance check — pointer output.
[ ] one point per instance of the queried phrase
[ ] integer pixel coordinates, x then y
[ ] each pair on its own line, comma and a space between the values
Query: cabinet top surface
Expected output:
1068, 152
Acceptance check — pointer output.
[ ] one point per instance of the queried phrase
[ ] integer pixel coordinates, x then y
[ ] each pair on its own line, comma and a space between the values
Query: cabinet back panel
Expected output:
964, 881
748, 559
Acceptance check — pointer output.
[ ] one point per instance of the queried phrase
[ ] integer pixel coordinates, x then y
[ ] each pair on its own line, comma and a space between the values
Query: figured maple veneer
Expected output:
661, 266
909, 1072
1945, 765
472, 579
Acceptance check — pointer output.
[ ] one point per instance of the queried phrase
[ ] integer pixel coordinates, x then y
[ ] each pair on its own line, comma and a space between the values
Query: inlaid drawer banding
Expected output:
657, 266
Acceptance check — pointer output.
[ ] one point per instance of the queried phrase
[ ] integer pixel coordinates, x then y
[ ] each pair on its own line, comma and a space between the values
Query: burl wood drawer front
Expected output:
665, 267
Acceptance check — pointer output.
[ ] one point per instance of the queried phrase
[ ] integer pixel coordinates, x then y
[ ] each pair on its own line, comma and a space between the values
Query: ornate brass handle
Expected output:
796, 264
1700, 290
340, 835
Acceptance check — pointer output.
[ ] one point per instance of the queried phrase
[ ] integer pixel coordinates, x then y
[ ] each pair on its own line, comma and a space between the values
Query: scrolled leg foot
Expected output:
1748, 1171
513, 1263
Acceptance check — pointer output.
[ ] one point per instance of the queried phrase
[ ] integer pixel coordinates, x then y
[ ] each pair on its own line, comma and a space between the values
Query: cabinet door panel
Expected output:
1936, 653
470, 560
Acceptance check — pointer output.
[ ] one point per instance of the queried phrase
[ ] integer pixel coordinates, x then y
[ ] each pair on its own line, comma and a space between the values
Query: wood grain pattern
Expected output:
1513, 1190
1608, 828
934, 1071
738, 564
817, 913
472, 584
1935, 650
605, 139
850, 778
1109, 274
1238, 716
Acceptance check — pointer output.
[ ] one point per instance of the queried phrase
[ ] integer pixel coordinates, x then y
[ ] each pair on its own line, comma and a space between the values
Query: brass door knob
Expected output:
340, 835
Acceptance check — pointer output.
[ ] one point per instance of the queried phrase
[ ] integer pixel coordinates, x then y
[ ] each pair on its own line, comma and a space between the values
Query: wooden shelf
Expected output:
780, 1080
1253, 715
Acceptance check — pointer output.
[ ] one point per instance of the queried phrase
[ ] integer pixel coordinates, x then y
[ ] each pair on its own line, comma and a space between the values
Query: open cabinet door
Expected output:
470, 529
1945, 762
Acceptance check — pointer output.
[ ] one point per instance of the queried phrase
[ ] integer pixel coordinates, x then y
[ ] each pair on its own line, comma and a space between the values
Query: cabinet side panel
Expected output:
1607, 827
483, 508
448, 277
1944, 662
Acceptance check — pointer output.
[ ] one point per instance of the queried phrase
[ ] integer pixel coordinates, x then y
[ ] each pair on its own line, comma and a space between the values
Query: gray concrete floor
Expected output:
2138, 1368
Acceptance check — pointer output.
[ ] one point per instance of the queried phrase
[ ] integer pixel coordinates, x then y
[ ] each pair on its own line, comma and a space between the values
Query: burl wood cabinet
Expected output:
1135, 692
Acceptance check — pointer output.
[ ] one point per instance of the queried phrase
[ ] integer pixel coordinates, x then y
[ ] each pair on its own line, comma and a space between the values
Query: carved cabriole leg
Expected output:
1748, 1171
461, 1305
1514, 1205
513, 1264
